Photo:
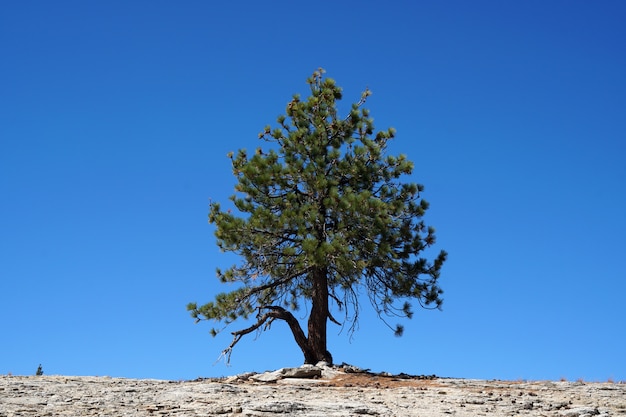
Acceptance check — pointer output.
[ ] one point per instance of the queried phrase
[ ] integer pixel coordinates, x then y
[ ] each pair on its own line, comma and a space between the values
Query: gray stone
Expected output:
581, 412
302, 372
268, 376
274, 376
281, 407
239, 378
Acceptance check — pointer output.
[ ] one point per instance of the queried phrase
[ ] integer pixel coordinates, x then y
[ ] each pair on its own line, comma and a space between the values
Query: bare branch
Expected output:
334, 320
275, 312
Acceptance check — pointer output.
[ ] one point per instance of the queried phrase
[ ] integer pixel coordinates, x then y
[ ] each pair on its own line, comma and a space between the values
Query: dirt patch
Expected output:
367, 380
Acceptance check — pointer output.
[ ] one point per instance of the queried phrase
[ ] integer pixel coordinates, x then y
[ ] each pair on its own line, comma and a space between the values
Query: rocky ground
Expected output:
316, 391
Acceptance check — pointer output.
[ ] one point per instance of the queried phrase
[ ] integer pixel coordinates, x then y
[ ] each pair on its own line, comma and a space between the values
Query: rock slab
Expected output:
103, 396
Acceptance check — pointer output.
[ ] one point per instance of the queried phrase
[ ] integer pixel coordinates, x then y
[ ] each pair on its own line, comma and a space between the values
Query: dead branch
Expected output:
275, 312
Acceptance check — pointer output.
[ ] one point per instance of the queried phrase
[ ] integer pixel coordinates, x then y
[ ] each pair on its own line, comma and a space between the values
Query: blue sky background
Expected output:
116, 118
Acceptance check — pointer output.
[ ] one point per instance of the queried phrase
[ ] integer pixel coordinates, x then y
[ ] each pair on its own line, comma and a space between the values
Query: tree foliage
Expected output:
323, 214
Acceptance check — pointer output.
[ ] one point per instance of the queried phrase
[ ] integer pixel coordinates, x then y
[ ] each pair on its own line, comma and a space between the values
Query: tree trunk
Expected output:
318, 319
313, 346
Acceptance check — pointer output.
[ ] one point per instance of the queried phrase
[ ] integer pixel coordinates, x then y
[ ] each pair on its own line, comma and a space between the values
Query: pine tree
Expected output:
324, 214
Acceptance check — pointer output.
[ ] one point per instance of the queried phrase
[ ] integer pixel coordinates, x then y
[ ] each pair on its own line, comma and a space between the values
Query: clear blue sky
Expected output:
116, 118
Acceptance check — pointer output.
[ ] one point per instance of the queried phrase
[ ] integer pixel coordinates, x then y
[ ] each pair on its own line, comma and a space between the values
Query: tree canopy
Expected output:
323, 214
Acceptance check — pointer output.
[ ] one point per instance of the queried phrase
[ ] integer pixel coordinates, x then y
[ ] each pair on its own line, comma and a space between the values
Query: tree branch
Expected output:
334, 320
275, 312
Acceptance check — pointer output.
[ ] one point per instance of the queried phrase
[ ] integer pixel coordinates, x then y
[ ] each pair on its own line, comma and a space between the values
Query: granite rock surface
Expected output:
309, 392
